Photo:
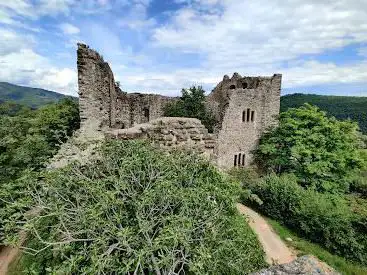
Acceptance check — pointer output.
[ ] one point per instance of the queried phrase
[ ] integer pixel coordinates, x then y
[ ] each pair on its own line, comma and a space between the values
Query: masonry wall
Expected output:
96, 84
171, 133
245, 108
104, 105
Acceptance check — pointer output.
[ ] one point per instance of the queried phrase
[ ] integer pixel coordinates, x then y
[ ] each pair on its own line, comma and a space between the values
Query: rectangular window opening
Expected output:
252, 116
239, 159
248, 115
243, 159
235, 160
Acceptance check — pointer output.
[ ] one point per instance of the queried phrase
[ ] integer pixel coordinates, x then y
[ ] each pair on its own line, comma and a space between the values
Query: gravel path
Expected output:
275, 249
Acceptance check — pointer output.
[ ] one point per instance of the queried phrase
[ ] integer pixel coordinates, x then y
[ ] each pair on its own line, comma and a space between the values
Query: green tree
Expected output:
136, 210
192, 104
28, 138
321, 151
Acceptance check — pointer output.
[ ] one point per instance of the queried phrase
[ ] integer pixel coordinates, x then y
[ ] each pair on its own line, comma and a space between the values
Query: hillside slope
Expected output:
342, 107
31, 97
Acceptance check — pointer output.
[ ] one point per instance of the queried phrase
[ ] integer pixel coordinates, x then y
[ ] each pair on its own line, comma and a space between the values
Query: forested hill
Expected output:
342, 107
30, 97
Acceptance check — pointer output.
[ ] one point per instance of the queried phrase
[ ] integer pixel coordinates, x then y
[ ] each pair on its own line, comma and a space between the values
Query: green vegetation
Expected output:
341, 107
192, 104
27, 139
326, 219
312, 180
31, 97
305, 247
321, 151
136, 209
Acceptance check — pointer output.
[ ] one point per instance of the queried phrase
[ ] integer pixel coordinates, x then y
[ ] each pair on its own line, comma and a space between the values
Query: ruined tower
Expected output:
245, 107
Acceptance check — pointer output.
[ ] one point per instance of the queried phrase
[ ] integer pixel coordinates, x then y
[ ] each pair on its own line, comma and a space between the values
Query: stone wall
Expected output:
170, 133
245, 107
96, 84
103, 104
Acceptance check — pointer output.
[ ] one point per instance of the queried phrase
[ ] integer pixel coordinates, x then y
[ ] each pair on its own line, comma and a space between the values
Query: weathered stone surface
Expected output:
244, 107
306, 265
162, 131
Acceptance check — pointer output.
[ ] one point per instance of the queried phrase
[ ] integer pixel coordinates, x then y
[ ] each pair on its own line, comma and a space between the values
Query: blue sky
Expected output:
161, 46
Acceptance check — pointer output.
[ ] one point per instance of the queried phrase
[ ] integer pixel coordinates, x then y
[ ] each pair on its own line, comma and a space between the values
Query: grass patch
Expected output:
305, 247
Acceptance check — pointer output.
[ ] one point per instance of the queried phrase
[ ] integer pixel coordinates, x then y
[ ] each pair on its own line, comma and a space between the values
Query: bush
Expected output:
322, 218
136, 209
321, 151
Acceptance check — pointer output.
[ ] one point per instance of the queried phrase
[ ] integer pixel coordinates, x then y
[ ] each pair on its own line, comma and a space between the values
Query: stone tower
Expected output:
245, 108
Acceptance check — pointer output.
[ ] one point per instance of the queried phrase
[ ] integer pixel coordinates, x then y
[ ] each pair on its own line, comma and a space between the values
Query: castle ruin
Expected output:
243, 106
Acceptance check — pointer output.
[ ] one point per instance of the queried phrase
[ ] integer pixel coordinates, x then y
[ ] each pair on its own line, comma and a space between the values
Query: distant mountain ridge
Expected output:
31, 97
342, 107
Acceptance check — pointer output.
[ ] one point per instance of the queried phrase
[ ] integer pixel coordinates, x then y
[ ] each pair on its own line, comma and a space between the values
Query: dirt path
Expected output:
7, 255
275, 249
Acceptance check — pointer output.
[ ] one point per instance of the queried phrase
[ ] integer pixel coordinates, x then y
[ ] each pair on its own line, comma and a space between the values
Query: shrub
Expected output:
136, 209
321, 151
322, 218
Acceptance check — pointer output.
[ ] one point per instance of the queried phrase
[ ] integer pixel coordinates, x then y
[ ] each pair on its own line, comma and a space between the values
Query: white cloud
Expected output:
260, 32
362, 52
29, 68
69, 29
11, 42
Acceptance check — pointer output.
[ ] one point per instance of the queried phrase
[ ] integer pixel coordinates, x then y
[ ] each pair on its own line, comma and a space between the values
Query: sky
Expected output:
162, 46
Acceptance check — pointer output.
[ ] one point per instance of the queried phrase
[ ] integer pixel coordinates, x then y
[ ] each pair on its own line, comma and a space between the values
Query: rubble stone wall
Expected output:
101, 101
170, 133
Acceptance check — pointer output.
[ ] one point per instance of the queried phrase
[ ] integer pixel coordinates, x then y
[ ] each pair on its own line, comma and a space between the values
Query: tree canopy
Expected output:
29, 137
320, 150
192, 104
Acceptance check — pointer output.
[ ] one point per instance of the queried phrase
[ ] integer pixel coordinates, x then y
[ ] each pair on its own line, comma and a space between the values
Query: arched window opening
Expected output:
252, 116
232, 87
235, 160
146, 114
243, 160
244, 85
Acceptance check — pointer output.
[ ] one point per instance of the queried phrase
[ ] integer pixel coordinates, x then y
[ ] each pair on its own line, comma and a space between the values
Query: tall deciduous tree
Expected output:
321, 151
192, 104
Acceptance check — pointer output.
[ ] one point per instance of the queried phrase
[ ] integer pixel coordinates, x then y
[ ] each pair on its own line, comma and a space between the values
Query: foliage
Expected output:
136, 209
192, 104
326, 219
341, 107
321, 151
29, 137
304, 247
30, 97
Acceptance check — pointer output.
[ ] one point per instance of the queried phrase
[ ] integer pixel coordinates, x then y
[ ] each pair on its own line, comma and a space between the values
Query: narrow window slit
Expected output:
235, 160
252, 116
